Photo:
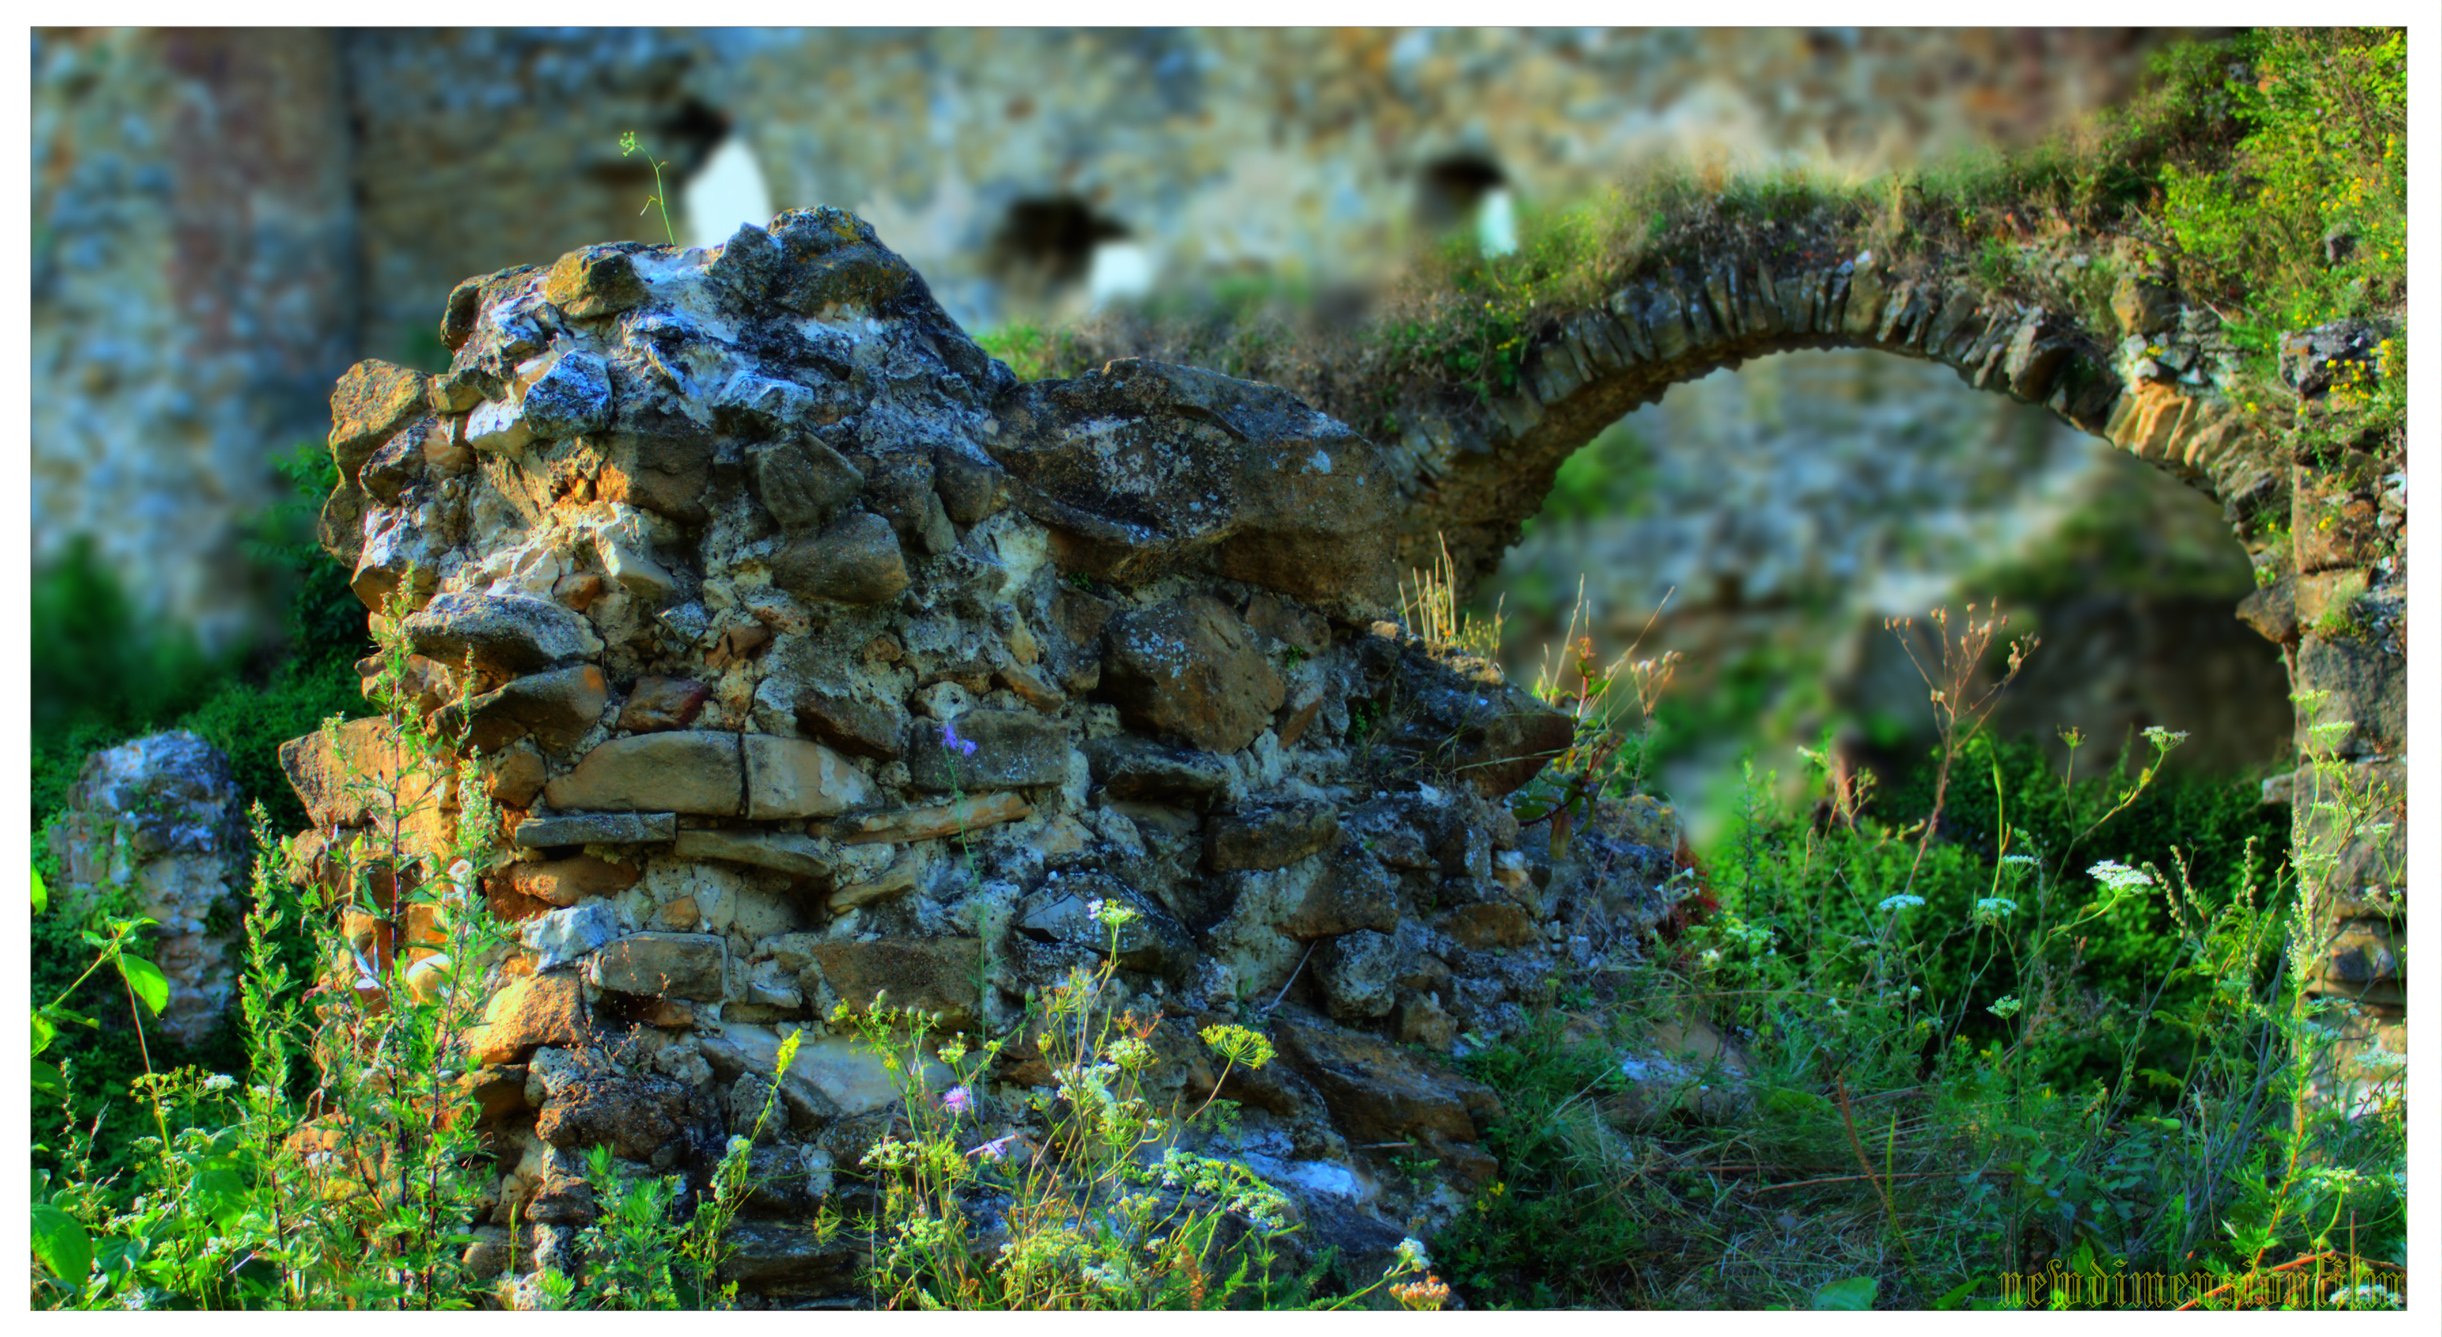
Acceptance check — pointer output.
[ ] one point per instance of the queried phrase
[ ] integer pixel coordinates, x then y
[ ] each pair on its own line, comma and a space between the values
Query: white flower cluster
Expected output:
2365, 1295
2117, 876
1994, 909
1902, 901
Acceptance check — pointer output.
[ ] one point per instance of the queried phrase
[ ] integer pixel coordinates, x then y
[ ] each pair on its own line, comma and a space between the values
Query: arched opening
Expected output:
1468, 191
727, 190
1777, 515
1050, 246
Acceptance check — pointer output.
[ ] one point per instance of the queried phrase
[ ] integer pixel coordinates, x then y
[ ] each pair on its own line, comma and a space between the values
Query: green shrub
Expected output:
345, 1169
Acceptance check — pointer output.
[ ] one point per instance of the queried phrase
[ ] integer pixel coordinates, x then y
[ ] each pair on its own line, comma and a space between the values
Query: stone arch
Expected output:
1474, 473
2157, 384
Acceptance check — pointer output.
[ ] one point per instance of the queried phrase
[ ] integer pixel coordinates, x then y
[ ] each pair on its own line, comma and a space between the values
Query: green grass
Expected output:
1940, 1095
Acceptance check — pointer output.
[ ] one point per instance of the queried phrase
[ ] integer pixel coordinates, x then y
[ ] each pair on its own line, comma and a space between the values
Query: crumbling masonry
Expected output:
724, 545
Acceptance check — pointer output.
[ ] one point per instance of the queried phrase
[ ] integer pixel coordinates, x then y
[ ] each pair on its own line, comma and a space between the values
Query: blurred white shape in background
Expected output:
729, 190
1120, 271
1496, 223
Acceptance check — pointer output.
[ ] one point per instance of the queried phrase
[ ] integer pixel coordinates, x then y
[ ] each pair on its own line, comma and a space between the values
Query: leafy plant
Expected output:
1085, 1197
660, 198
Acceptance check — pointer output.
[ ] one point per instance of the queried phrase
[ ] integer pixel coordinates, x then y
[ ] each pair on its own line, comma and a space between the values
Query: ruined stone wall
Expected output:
224, 221
194, 289
1308, 156
810, 655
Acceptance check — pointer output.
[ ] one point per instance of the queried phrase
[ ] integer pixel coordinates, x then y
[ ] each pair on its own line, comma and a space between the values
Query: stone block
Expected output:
689, 771
791, 777
678, 965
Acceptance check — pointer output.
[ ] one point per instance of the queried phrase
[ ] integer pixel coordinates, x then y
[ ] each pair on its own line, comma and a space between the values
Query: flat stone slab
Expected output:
782, 851
598, 828
792, 777
946, 819
682, 770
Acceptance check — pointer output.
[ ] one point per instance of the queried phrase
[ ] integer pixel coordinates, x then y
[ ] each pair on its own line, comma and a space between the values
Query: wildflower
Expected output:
2118, 876
951, 740
1238, 1045
1111, 914
2365, 1295
1994, 909
2376, 1056
2018, 860
1429, 1294
957, 1100
2335, 1178
219, 1081
1902, 901
2005, 1007
1131, 1053
2165, 739
1410, 1256
994, 1149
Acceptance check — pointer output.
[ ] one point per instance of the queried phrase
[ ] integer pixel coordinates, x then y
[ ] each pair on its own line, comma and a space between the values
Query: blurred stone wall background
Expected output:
225, 220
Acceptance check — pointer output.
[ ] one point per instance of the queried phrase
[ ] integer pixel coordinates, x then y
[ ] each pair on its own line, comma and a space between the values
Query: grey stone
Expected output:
971, 488
571, 399
692, 771
791, 777
788, 852
163, 817
673, 965
1140, 769
557, 708
747, 264
1005, 749
855, 561
803, 483
595, 281
1190, 670
1271, 837
1358, 973
1183, 467
503, 635
551, 830
563, 937
857, 727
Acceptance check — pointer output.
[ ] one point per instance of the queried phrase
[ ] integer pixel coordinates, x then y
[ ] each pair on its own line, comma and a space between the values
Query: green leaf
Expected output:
45, 1078
147, 980
42, 894
44, 1032
1854, 1293
61, 1245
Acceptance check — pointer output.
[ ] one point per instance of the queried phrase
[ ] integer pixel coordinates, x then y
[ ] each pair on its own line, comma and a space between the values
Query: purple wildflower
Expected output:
957, 1100
950, 739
